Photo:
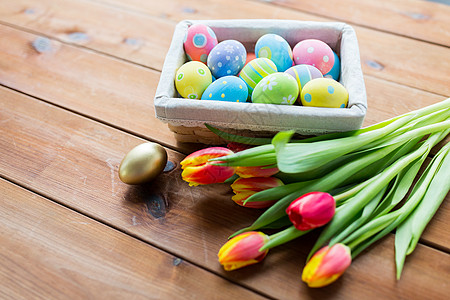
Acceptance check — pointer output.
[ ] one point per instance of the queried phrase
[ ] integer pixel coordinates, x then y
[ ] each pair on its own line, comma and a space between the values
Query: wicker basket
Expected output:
186, 117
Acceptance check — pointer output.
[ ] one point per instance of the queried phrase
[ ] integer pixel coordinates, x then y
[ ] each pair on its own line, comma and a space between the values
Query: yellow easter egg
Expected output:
192, 79
324, 92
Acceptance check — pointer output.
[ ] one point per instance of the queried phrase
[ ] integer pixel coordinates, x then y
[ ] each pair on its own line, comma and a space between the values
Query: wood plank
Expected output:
132, 36
120, 93
387, 56
51, 252
107, 89
416, 19
74, 161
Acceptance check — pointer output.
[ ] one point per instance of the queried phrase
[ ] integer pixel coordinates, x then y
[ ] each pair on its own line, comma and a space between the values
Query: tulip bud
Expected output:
197, 170
243, 250
311, 210
245, 187
262, 171
327, 265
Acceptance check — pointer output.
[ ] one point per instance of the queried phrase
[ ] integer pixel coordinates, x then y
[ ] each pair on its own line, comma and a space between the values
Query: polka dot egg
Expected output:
275, 48
227, 88
324, 92
199, 41
315, 53
256, 70
192, 79
303, 74
336, 70
227, 58
277, 88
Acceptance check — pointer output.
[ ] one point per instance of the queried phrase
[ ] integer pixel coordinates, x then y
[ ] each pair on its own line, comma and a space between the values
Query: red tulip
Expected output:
243, 250
311, 210
327, 265
197, 170
245, 187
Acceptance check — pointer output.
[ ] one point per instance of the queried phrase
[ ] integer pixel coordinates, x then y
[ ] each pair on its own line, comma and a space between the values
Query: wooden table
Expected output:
77, 82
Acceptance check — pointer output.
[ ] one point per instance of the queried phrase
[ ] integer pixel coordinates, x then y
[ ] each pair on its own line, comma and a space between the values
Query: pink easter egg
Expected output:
198, 42
315, 53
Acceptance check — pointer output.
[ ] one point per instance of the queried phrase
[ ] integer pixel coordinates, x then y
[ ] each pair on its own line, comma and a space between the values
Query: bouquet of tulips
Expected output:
353, 183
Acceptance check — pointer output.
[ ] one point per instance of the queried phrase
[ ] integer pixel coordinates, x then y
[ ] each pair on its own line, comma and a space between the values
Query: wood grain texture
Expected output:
107, 89
50, 252
74, 161
131, 36
417, 19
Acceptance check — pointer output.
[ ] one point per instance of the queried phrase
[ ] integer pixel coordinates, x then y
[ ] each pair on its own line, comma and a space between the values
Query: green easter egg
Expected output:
277, 88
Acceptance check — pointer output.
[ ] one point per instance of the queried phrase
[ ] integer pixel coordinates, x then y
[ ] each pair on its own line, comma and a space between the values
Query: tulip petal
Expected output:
327, 265
243, 250
248, 172
197, 170
246, 187
311, 210
200, 157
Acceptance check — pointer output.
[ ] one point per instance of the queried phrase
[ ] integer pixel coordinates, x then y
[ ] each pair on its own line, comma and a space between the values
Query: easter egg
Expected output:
143, 163
324, 92
303, 74
336, 70
227, 58
227, 88
277, 88
250, 56
199, 41
275, 48
192, 79
315, 53
256, 70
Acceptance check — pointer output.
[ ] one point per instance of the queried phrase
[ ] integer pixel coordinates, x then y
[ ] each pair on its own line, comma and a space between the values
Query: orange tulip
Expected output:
243, 250
197, 170
245, 187
327, 265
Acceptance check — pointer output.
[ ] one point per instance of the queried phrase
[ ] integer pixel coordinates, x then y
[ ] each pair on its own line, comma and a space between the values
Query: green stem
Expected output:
283, 237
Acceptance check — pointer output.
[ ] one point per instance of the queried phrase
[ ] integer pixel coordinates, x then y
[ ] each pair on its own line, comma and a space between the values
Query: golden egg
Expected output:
143, 163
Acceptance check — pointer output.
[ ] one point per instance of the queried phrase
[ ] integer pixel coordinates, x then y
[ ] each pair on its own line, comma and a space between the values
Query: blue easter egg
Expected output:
335, 71
227, 58
227, 88
275, 48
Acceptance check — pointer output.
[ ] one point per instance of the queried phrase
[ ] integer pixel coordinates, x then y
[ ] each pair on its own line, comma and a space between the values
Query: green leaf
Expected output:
294, 158
366, 212
409, 232
348, 211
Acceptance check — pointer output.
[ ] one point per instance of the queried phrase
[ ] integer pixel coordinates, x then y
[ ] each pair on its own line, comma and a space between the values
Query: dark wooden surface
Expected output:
77, 81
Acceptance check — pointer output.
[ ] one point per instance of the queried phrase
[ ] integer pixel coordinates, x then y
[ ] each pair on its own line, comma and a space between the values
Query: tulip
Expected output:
311, 210
245, 187
238, 147
327, 265
243, 250
262, 171
197, 170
